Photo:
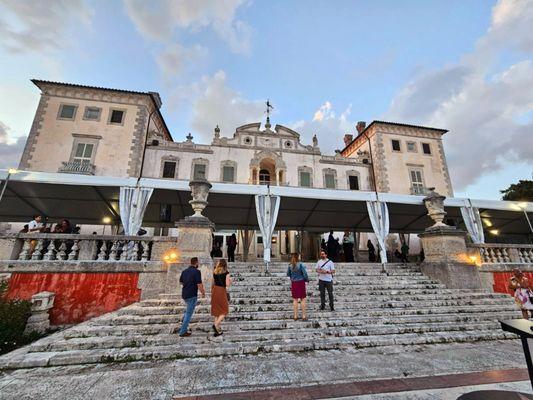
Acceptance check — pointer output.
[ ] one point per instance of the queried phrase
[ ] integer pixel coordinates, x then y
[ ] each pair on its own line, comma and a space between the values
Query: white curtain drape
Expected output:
132, 203
379, 218
267, 208
473, 223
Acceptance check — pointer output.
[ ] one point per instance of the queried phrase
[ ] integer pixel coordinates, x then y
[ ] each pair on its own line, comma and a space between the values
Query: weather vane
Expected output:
269, 107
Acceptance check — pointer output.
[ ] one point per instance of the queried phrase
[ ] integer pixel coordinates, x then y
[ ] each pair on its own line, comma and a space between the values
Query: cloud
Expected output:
172, 61
218, 104
39, 26
159, 20
484, 105
10, 152
327, 126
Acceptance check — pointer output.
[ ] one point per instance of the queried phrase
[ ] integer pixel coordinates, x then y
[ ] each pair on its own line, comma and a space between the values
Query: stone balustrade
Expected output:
71, 247
499, 253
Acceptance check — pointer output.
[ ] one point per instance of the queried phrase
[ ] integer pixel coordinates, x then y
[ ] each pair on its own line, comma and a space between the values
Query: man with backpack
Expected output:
325, 269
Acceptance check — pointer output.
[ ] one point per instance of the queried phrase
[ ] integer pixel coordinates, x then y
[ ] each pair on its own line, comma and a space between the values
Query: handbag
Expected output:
228, 296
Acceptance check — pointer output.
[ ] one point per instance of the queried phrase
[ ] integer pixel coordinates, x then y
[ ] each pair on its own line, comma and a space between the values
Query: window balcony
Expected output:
74, 167
419, 190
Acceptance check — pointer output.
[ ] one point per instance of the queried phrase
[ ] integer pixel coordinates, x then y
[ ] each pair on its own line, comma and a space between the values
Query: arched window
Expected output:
264, 177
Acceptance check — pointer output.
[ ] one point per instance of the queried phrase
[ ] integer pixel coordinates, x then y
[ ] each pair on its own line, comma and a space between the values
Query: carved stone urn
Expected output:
199, 191
434, 203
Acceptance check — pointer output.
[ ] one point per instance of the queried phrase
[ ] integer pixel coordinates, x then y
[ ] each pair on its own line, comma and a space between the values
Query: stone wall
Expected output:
85, 289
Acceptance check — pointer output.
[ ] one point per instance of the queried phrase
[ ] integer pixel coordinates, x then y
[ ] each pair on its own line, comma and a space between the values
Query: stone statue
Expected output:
315, 141
434, 203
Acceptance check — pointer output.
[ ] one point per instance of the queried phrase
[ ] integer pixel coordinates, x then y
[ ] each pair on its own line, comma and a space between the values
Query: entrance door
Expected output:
264, 177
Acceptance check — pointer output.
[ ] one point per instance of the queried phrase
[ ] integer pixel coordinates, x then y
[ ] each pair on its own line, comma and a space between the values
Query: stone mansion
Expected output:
111, 132
120, 133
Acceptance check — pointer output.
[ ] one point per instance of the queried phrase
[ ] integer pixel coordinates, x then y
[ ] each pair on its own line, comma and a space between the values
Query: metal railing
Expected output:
74, 167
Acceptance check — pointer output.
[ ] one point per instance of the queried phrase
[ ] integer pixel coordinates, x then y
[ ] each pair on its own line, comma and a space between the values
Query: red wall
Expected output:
78, 296
501, 281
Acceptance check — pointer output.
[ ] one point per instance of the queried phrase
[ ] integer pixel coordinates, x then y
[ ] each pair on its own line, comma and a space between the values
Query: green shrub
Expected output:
13, 317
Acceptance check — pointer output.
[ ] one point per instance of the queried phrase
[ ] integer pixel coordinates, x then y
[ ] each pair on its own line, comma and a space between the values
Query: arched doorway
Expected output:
267, 172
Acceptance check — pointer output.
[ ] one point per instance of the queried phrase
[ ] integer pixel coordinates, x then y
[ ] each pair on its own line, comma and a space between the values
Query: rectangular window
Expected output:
354, 182
169, 169
67, 111
411, 147
330, 181
199, 171
417, 182
395, 145
305, 179
116, 116
92, 113
228, 173
84, 153
426, 148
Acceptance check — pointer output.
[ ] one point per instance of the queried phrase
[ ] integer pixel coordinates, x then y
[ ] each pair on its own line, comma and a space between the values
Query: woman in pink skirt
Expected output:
298, 274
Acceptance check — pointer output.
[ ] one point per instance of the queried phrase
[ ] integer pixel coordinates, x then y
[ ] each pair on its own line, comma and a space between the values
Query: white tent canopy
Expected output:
86, 199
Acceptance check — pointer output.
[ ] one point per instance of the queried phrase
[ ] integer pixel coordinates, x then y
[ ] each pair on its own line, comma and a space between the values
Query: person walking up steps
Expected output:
219, 295
298, 274
191, 280
325, 269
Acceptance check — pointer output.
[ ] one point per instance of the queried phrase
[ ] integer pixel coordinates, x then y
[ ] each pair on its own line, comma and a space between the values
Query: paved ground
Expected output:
169, 379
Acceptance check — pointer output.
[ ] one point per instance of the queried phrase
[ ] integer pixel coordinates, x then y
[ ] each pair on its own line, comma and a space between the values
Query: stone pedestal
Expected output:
446, 258
39, 320
195, 239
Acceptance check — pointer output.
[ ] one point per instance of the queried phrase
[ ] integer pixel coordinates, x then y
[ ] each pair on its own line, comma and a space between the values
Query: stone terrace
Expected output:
398, 307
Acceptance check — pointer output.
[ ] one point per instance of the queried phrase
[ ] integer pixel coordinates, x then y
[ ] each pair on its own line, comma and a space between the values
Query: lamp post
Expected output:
10, 171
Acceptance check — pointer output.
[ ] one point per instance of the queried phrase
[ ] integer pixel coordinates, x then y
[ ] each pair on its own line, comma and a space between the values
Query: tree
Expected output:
521, 191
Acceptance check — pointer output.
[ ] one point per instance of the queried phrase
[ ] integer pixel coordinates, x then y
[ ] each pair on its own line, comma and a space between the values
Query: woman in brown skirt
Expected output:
219, 295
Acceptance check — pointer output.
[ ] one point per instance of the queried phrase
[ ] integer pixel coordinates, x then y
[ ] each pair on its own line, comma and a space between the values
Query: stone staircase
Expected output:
398, 307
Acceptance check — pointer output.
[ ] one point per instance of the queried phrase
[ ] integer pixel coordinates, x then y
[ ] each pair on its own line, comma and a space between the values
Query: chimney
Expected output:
361, 125
348, 139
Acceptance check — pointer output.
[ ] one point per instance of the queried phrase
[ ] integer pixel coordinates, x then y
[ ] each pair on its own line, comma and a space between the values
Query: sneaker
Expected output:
322, 308
186, 334
332, 309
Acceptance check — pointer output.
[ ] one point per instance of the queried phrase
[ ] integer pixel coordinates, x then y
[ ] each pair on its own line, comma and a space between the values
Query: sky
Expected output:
465, 66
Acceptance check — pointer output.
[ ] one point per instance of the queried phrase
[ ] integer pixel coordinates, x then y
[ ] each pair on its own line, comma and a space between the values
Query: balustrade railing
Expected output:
49, 246
498, 253
74, 167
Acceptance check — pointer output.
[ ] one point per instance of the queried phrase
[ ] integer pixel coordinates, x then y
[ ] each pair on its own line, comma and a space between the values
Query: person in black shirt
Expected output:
232, 245
191, 280
219, 295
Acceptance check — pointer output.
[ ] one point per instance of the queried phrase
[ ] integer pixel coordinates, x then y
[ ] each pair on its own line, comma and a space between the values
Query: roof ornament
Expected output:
189, 137
315, 140
217, 132
269, 107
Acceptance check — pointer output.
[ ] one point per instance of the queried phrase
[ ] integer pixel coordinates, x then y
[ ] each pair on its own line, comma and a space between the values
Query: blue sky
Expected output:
464, 66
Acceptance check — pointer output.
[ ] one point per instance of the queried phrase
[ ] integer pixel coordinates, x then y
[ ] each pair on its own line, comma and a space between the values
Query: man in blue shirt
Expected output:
191, 280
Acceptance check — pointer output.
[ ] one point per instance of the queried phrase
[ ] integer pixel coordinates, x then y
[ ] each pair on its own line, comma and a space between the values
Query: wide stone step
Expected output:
272, 326
357, 281
186, 350
250, 336
354, 298
257, 316
339, 306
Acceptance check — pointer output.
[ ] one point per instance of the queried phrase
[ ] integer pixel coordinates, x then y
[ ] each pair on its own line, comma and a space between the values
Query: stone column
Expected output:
445, 250
195, 239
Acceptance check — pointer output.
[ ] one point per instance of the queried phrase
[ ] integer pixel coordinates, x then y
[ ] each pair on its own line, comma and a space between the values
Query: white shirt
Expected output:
34, 225
325, 265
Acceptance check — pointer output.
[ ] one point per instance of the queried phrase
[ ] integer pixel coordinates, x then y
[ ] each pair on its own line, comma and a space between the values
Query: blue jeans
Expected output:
191, 305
